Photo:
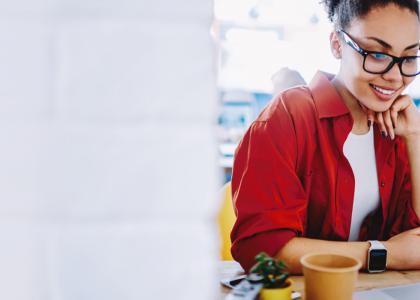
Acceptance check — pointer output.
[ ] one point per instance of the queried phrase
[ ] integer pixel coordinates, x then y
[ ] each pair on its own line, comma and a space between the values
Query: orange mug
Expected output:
329, 276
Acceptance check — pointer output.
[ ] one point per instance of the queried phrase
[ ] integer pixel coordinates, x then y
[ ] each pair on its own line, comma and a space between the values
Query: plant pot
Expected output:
284, 293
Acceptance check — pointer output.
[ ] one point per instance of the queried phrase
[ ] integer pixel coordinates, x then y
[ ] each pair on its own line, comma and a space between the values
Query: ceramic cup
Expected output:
329, 276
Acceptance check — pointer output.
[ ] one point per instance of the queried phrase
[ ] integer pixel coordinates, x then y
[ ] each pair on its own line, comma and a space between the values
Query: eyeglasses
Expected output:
380, 63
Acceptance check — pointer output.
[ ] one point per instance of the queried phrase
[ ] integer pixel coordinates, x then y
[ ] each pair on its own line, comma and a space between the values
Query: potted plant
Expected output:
274, 276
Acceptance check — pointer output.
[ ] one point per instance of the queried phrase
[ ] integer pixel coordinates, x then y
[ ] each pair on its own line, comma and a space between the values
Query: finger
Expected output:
370, 117
380, 121
394, 116
402, 103
388, 124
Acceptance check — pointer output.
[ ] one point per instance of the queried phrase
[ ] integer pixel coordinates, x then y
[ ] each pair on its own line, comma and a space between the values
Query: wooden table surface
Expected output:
228, 269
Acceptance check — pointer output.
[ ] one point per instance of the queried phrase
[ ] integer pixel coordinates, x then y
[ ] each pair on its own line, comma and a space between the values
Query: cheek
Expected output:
408, 80
351, 59
361, 82
352, 66
357, 79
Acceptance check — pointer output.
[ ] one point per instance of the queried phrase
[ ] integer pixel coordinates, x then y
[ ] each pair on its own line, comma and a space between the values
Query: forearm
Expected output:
297, 247
413, 151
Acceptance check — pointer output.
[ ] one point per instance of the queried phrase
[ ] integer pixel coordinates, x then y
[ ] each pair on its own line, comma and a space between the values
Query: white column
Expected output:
107, 152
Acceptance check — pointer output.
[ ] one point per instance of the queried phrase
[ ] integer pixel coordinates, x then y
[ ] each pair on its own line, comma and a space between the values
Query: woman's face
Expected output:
391, 30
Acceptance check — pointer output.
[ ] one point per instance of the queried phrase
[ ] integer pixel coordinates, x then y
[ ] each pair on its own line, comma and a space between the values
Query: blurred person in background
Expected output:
286, 78
335, 166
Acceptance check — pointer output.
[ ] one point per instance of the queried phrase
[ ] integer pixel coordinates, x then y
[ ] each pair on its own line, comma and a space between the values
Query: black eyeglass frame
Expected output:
395, 59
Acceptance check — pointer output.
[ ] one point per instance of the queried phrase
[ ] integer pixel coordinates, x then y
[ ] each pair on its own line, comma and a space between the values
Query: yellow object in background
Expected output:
226, 219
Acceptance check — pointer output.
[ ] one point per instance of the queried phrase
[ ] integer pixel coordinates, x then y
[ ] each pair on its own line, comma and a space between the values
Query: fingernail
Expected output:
383, 134
369, 123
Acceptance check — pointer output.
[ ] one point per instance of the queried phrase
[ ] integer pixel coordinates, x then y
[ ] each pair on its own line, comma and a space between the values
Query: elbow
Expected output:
245, 250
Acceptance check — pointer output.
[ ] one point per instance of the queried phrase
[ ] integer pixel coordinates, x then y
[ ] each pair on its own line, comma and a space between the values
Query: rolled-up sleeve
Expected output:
407, 217
270, 202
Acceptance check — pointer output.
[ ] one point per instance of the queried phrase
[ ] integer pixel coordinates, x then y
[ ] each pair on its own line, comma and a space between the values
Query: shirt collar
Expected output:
327, 100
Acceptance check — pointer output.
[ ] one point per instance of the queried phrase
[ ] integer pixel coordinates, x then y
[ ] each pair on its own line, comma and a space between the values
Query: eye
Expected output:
410, 60
379, 56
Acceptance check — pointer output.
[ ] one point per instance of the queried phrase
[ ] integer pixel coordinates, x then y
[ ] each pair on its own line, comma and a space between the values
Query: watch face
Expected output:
377, 259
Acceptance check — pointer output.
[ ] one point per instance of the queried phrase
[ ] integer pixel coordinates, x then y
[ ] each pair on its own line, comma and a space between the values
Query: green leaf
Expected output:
274, 271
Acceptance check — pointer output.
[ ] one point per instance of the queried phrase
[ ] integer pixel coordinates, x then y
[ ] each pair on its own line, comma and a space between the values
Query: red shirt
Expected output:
291, 178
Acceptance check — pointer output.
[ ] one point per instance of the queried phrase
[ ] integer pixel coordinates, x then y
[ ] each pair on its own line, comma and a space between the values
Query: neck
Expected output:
358, 114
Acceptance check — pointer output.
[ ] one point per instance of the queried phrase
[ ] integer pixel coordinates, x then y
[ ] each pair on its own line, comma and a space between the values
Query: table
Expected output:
228, 269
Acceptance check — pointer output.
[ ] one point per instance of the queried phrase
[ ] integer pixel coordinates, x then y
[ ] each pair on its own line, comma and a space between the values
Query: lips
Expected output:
384, 93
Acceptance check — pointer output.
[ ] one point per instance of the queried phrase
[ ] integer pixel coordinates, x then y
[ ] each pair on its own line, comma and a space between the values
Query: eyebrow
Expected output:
388, 46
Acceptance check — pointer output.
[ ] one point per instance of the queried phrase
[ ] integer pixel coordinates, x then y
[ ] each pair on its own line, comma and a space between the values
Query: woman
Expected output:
335, 166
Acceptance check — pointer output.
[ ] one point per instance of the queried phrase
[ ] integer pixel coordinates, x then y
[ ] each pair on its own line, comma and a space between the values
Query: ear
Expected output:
335, 44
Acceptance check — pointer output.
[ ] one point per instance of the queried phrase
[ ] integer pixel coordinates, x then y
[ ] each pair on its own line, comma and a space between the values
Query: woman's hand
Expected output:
401, 119
403, 251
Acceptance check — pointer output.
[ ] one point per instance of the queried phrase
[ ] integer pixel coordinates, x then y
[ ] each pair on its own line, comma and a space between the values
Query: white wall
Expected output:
107, 150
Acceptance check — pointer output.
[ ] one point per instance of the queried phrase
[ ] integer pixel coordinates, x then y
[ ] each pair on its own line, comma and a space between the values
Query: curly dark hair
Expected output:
341, 13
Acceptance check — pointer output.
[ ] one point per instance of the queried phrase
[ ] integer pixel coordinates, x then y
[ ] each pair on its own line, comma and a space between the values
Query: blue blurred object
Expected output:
237, 108
417, 102
240, 108
236, 115
262, 99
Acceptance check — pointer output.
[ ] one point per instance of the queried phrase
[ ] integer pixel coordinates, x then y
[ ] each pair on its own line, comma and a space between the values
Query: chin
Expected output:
379, 106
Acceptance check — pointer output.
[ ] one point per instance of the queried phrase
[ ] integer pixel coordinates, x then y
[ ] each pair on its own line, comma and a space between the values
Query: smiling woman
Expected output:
335, 166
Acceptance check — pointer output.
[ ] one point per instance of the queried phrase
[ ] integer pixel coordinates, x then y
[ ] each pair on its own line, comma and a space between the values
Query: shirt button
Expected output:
382, 183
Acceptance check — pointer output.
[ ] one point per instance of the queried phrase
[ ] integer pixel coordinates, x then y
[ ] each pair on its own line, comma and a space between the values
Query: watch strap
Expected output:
376, 245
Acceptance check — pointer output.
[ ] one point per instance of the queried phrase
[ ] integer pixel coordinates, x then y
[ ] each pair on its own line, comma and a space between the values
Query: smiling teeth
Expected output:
385, 92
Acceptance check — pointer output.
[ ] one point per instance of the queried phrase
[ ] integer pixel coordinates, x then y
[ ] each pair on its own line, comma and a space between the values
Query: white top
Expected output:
360, 152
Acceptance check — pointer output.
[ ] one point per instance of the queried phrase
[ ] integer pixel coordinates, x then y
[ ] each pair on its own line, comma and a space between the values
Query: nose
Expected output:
394, 74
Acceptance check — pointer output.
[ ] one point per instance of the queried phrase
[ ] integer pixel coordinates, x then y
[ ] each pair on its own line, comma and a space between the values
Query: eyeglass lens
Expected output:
378, 62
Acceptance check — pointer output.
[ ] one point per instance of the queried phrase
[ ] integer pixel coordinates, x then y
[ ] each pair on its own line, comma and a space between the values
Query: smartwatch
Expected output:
376, 258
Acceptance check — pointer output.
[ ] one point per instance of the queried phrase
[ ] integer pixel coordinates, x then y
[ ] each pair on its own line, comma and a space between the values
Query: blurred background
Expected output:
108, 157
118, 124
